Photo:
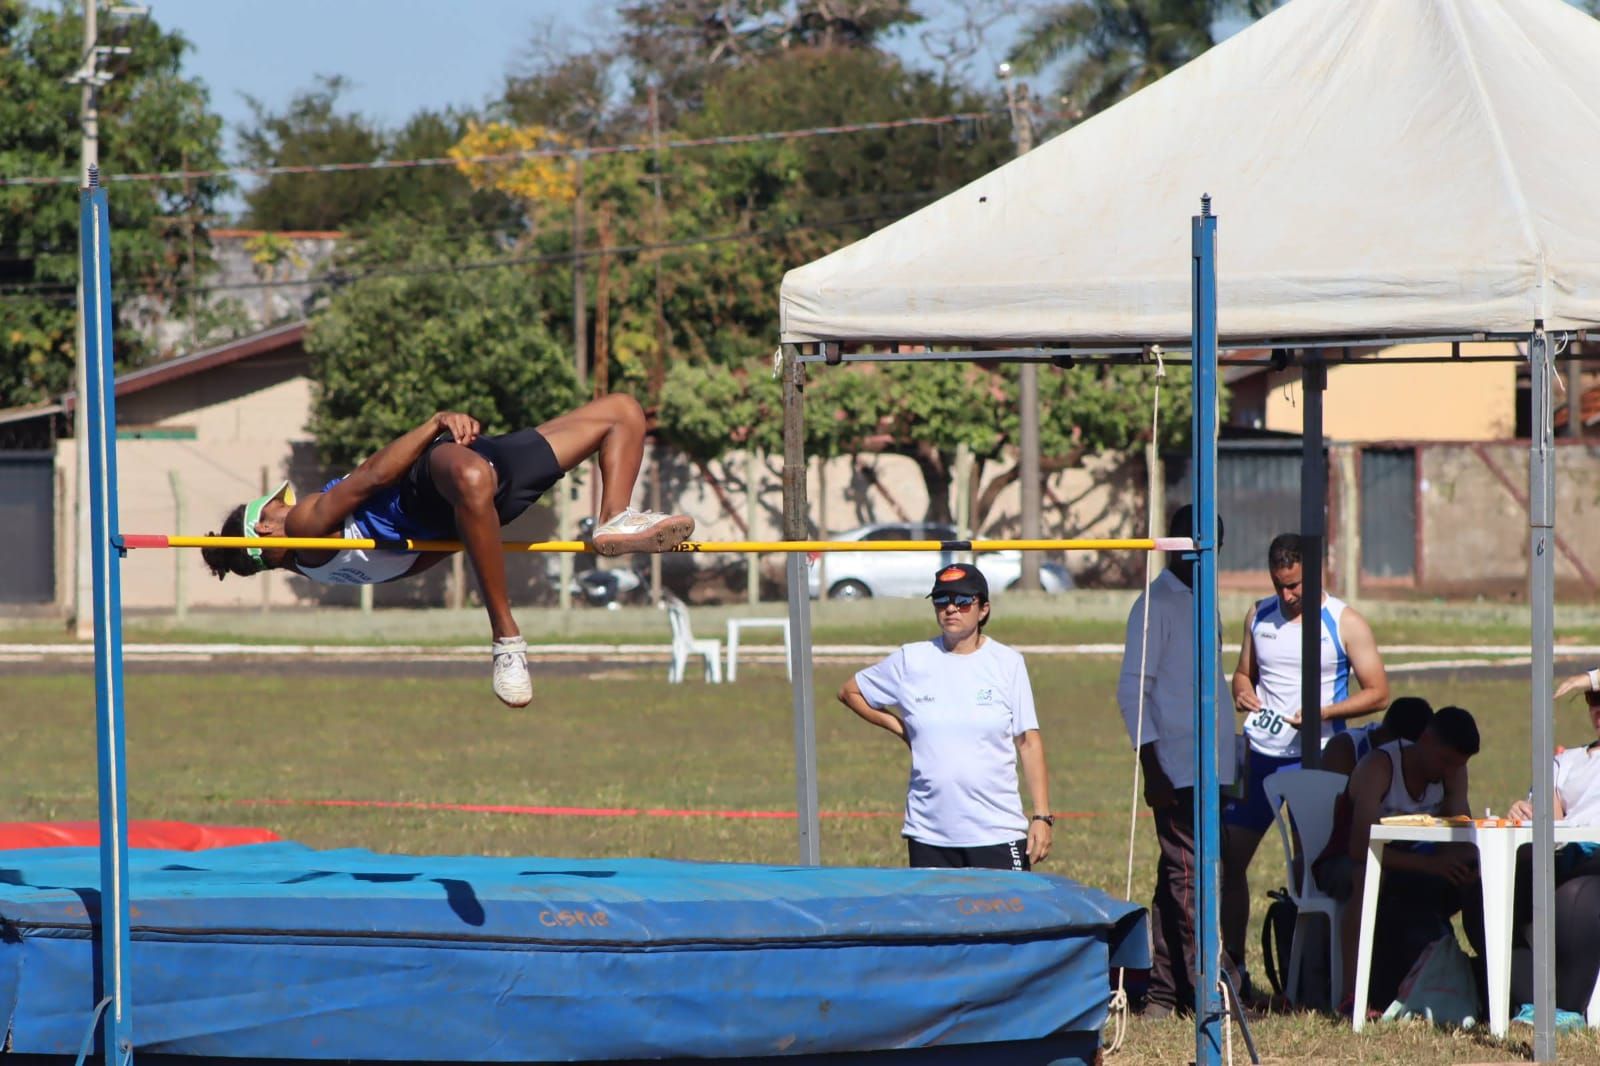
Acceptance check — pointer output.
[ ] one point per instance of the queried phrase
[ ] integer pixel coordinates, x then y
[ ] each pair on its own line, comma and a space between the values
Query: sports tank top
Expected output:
1276, 641
1400, 801
360, 566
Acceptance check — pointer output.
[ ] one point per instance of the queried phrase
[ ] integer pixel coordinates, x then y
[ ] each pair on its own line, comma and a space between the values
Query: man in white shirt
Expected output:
1161, 670
1266, 689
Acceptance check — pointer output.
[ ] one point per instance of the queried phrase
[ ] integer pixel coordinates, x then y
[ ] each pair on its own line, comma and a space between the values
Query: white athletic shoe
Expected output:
642, 531
511, 681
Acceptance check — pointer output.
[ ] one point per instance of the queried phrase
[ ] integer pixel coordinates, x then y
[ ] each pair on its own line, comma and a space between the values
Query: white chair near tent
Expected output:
686, 646
1302, 803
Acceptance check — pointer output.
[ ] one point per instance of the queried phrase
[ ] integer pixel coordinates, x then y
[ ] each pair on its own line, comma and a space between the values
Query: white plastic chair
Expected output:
685, 646
1302, 803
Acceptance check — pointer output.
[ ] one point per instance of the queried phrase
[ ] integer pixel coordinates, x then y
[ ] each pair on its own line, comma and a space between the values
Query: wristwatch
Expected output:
1047, 819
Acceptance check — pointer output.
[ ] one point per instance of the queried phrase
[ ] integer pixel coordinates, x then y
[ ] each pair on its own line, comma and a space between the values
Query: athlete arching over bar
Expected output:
444, 480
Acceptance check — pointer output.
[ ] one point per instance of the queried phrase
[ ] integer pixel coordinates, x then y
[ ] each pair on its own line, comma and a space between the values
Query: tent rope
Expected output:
1119, 998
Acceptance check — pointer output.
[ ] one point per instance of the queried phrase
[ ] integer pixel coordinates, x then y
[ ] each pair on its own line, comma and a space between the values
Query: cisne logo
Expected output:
952, 574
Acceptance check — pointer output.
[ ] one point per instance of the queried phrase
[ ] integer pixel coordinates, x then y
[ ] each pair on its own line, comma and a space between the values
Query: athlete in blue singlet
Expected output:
445, 480
1266, 690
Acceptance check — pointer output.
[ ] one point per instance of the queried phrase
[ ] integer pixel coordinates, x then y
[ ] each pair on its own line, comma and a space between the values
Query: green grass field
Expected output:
207, 746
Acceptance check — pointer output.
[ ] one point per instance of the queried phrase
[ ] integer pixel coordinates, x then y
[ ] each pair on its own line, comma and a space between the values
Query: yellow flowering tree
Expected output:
530, 164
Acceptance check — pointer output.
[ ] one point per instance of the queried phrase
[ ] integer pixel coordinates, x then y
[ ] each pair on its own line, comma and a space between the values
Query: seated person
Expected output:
1577, 910
1423, 885
1404, 720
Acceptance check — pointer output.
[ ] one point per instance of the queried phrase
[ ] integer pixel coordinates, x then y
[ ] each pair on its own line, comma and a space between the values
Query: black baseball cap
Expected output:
960, 579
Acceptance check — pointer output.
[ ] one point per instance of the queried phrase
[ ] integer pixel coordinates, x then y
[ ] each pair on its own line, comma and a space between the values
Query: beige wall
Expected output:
1475, 529
1415, 401
250, 417
246, 417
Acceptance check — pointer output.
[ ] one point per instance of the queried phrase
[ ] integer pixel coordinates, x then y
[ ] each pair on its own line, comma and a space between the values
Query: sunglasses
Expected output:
962, 602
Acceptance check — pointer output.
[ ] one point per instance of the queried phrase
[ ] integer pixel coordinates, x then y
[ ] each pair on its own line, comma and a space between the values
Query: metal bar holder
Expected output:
95, 249
1208, 938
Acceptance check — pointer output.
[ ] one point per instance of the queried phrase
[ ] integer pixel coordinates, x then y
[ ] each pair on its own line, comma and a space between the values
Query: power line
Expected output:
61, 292
913, 197
511, 157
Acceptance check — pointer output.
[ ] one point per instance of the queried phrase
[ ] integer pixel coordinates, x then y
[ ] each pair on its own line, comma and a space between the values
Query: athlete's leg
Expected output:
467, 481
612, 426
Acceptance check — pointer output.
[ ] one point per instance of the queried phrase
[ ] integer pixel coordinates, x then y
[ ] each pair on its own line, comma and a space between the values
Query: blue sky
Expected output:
399, 55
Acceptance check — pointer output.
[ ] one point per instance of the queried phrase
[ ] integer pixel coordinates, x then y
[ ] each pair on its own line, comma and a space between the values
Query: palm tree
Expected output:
1117, 47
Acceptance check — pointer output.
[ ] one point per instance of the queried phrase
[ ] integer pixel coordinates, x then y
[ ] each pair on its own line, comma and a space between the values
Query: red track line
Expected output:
576, 812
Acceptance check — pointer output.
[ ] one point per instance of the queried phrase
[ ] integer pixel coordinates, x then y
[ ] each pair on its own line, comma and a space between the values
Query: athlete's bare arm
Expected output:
321, 514
1246, 674
1365, 662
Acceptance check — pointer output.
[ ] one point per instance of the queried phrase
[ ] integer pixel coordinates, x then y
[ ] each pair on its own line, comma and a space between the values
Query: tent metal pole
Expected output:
1208, 1019
105, 537
801, 675
1541, 597
1313, 519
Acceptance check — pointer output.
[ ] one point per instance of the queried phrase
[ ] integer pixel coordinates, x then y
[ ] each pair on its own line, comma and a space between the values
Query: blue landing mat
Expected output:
277, 951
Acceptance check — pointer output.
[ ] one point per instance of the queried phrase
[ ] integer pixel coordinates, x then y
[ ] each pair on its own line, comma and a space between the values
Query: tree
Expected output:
312, 130
151, 119
876, 175
422, 331
681, 46
1116, 47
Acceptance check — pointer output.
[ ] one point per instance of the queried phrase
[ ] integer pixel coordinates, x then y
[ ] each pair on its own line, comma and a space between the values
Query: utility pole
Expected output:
580, 365
91, 78
658, 370
1030, 480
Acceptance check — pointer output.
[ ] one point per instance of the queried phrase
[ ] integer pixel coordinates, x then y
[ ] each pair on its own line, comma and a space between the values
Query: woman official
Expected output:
966, 712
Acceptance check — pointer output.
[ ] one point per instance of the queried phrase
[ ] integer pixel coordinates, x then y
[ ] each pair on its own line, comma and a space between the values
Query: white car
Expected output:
859, 575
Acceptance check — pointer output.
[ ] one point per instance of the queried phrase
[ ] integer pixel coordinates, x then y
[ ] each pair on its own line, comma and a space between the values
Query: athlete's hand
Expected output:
1245, 698
1520, 811
1039, 838
464, 428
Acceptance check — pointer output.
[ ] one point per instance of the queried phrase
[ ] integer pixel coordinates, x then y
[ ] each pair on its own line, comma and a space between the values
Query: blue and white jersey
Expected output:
1276, 642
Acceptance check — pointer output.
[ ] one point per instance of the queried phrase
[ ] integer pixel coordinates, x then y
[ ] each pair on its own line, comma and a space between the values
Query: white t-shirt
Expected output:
962, 714
1578, 781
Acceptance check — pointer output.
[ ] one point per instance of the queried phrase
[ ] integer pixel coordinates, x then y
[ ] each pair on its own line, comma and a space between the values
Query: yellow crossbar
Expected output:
137, 540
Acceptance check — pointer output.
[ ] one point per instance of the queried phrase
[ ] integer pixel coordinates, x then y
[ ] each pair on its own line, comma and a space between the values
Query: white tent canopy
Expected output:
1380, 167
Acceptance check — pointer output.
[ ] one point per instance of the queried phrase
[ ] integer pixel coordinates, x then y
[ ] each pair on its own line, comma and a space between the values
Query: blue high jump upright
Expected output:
1208, 940
112, 996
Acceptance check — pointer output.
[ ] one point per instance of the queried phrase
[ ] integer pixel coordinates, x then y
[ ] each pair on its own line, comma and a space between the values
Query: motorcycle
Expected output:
596, 587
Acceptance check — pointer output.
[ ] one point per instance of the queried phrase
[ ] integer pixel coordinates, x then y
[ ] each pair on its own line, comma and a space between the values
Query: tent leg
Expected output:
1313, 520
1541, 597
1208, 934
801, 678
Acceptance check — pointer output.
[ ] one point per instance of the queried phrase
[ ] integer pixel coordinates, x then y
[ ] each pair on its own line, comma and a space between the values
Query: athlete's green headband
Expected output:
252, 515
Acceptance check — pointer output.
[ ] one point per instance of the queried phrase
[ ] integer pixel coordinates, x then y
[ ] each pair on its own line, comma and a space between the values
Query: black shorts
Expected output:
525, 469
1012, 856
